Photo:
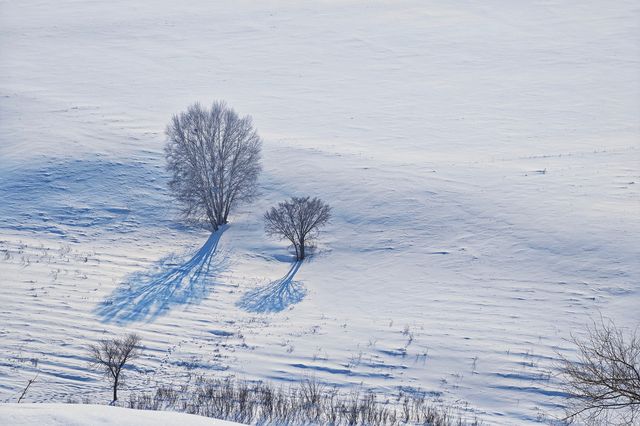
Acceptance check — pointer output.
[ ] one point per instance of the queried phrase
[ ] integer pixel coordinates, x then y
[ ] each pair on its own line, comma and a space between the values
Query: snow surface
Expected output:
482, 159
95, 415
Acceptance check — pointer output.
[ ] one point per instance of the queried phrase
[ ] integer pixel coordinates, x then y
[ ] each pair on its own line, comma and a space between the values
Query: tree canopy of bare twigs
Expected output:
604, 381
214, 159
110, 356
297, 220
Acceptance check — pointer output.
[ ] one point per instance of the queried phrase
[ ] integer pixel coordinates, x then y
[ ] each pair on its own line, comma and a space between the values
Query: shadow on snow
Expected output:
149, 294
86, 197
275, 296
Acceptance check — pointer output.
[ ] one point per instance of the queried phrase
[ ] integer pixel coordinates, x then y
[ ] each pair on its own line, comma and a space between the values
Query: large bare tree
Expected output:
214, 158
111, 355
297, 220
604, 382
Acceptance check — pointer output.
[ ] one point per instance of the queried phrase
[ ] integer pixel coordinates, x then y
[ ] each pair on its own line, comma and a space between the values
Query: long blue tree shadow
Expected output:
275, 296
146, 295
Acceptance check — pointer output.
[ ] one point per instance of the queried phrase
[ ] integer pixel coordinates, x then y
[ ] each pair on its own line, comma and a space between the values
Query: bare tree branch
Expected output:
24, 392
604, 381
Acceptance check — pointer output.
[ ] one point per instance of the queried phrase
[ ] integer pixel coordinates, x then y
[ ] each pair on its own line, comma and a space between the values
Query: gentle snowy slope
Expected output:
483, 162
95, 415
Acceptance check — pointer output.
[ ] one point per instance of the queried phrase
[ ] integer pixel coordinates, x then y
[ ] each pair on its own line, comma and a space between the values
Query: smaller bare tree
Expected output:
604, 382
110, 356
297, 220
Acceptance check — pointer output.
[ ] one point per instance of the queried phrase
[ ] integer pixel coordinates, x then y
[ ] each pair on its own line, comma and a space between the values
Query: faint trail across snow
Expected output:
275, 296
146, 295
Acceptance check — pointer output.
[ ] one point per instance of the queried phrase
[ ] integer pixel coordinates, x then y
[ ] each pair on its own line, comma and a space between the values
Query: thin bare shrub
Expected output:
307, 403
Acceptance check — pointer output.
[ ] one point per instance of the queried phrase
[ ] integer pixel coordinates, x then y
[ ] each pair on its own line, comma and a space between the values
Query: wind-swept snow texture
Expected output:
482, 161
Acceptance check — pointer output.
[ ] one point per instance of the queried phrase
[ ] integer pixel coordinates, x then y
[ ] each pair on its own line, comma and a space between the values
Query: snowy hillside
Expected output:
482, 161
72, 414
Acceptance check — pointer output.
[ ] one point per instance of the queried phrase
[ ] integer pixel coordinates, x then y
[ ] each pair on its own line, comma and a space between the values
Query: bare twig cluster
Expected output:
604, 382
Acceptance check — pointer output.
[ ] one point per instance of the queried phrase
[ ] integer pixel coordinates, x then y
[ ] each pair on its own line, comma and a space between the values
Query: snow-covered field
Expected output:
482, 159
95, 415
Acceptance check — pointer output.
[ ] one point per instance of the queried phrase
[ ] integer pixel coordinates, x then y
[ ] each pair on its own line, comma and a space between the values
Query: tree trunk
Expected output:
115, 390
301, 257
